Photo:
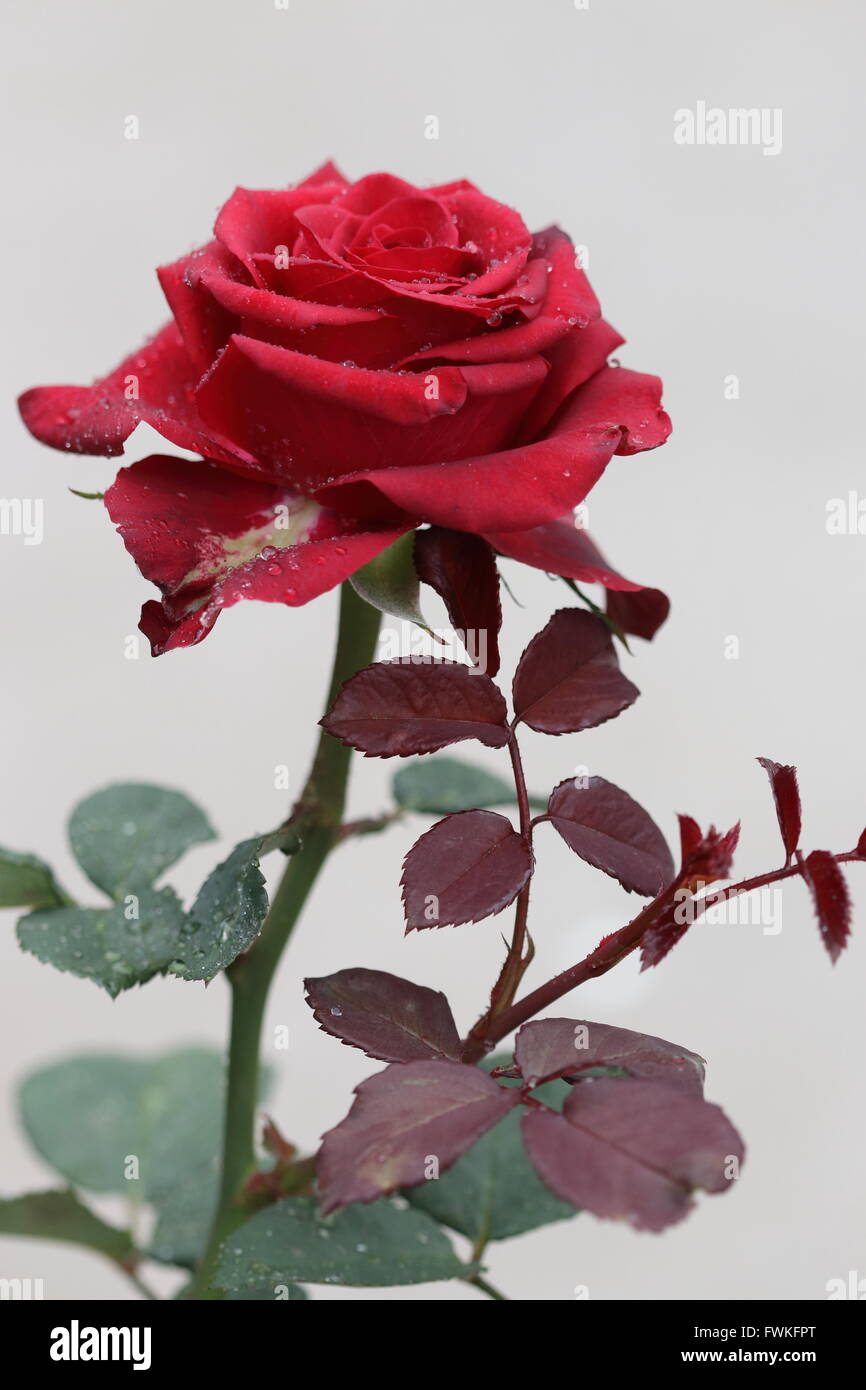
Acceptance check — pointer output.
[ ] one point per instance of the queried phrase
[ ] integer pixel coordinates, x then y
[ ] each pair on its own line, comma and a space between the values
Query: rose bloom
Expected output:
351, 361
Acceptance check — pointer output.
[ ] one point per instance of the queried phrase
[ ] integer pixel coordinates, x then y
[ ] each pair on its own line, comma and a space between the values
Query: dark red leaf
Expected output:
462, 570
663, 935
395, 708
274, 1143
468, 866
384, 1016
641, 613
568, 678
612, 832
552, 1047
706, 857
831, 898
861, 845
407, 1123
691, 836
783, 780
633, 1150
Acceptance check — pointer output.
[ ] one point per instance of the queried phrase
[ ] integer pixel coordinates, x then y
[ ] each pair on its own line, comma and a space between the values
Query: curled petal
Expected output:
561, 547
573, 360
155, 385
617, 396
253, 221
308, 420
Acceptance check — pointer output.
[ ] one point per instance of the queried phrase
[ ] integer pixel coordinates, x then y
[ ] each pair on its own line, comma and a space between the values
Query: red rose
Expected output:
352, 360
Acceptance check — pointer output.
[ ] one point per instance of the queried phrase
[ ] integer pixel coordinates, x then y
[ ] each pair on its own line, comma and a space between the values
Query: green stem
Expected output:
490, 1289
143, 1288
319, 816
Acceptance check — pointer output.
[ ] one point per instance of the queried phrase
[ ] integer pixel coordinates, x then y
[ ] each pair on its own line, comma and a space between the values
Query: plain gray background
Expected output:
712, 261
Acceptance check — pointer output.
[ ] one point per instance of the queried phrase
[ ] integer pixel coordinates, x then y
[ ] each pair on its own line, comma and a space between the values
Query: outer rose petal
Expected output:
569, 293
98, 419
204, 323
308, 420
496, 492
210, 539
641, 613
561, 548
616, 411
572, 362
631, 399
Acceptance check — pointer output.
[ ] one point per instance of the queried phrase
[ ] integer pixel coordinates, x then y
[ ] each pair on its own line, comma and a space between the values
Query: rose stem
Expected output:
620, 944
318, 818
515, 963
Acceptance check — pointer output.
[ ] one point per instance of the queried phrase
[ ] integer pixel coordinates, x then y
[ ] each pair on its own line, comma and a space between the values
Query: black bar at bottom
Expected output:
67, 1338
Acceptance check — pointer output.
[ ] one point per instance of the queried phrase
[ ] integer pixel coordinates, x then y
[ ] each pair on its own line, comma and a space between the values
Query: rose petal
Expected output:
373, 191
573, 361
496, 229
615, 412
495, 492
411, 210
248, 301
205, 324
562, 548
617, 396
210, 539
252, 221
308, 420
326, 173
569, 293
98, 419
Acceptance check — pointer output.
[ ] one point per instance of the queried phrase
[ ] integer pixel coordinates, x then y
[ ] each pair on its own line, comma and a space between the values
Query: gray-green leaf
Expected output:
440, 785
360, 1246
227, 915
26, 881
89, 1116
184, 1213
493, 1191
59, 1215
282, 1293
125, 836
116, 947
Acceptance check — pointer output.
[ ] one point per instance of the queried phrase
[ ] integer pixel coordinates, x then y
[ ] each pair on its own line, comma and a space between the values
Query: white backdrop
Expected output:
714, 261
